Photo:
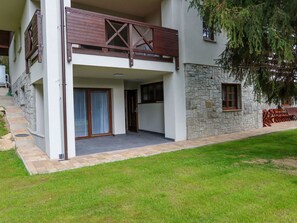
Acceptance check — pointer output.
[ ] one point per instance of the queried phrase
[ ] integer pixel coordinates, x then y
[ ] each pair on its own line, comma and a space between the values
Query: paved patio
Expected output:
118, 142
37, 162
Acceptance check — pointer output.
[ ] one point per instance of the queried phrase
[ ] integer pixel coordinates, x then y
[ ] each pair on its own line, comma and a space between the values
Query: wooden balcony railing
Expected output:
99, 34
33, 41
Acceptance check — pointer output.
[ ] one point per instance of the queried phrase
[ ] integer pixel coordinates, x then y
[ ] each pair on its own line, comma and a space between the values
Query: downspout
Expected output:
64, 101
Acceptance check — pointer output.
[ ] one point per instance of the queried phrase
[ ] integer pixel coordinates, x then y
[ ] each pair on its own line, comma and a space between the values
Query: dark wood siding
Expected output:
166, 42
33, 40
85, 28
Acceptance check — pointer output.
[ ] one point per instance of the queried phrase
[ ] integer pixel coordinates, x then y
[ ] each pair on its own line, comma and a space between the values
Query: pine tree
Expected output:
262, 42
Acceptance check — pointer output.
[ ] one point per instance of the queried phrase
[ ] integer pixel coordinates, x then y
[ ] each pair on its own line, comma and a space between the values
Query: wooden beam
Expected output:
4, 47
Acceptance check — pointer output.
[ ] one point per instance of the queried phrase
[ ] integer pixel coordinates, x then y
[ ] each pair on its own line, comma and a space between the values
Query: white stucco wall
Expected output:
118, 98
117, 62
193, 49
105, 11
39, 109
196, 50
154, 18
151, 117
54, 132
17, 63
37, 72
174, 83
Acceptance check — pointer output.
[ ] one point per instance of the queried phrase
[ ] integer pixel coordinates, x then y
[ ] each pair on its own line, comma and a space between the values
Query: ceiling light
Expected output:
118, 75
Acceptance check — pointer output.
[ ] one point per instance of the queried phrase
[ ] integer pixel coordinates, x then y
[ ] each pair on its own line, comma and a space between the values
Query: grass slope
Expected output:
209, 184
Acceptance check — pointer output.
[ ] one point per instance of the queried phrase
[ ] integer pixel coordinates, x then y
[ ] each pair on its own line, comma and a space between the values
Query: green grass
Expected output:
3, 130
209, 184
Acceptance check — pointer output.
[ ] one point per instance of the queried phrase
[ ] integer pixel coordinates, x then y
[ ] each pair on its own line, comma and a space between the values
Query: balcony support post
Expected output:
131, 46
69, 52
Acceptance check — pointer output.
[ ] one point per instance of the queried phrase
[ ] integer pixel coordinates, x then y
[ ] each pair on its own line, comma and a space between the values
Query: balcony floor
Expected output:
118, 142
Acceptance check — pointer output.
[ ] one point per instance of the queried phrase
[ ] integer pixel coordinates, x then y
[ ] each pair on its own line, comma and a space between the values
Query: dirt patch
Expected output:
257, 161
288, 162
236, 156
288, 165
293, 172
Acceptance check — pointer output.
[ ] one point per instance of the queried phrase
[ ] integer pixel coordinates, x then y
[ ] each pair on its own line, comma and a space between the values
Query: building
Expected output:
83, 68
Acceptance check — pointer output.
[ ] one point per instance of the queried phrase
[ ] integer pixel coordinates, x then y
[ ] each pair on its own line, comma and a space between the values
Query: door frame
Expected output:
126, 109
89, 112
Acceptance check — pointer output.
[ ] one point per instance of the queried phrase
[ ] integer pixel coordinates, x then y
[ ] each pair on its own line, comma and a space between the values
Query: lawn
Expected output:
218, 183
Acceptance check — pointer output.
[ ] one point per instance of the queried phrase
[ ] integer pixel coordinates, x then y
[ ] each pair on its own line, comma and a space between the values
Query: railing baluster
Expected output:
69, 52
117, 33
142, 37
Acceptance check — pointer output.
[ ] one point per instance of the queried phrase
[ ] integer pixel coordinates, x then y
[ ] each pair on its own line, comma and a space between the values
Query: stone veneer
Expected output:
205, 116
24, 96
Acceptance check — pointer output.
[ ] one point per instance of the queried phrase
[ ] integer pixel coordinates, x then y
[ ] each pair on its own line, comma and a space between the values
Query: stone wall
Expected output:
24, 96
205, 115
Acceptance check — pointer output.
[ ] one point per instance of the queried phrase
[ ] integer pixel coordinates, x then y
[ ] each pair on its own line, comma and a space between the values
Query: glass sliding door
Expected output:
80, 113
92, 112
100, 112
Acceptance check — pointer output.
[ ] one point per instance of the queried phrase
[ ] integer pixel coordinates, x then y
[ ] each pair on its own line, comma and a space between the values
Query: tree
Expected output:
262, 42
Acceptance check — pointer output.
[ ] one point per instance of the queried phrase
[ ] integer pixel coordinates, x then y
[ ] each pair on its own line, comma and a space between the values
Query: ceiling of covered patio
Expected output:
10, 14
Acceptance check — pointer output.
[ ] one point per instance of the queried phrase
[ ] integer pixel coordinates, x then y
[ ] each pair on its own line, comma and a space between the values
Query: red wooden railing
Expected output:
33, 41
95, 33
278, 115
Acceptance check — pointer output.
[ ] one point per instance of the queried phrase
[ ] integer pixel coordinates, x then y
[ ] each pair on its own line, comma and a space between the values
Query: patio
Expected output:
37, 162
118, 142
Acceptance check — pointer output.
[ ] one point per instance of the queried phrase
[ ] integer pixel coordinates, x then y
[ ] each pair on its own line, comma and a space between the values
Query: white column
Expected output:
174, 84
52, 78
70, 110
39, 109
169, 107
69, 97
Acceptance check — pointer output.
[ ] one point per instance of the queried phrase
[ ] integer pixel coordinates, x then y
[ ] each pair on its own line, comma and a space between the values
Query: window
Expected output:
208, 33
152, 93
92, 109
231, 96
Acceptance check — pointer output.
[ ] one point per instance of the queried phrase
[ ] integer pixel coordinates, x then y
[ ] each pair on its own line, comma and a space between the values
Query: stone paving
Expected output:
37, 162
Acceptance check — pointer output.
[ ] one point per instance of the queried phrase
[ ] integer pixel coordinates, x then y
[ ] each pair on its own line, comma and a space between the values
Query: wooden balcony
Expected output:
33, 41
99, 34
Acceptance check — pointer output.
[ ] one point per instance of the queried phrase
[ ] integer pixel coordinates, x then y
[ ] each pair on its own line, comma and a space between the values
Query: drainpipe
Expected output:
64, 80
